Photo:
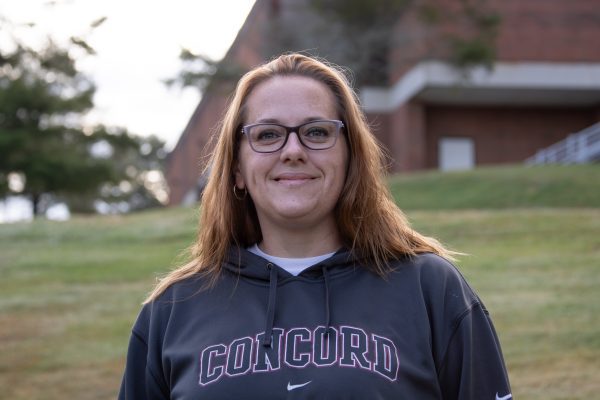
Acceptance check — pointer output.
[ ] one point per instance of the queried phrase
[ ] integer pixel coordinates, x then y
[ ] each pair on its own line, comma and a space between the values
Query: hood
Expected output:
247, 265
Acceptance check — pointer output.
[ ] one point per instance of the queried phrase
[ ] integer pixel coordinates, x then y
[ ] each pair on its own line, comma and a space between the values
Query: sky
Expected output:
137, 48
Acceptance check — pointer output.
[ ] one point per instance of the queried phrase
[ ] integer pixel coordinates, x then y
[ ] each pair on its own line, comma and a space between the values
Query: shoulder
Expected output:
431, 267
441, 283
157, 313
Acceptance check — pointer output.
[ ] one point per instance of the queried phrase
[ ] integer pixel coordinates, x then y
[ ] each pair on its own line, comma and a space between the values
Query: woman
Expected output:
306, 280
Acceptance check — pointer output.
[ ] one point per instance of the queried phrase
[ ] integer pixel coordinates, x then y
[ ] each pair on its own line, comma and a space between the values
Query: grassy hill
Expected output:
500, 187
70, 291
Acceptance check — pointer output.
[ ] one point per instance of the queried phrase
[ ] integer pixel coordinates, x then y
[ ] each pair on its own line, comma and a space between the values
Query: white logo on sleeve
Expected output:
507, 397
291, 387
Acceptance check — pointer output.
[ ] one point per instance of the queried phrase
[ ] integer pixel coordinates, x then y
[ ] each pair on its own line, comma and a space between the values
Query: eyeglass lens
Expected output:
316, 135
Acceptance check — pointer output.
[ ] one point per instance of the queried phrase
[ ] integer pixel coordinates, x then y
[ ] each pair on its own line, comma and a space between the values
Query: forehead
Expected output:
290, 99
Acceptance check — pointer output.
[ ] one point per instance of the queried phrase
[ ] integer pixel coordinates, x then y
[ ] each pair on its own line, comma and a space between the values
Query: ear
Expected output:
238, 177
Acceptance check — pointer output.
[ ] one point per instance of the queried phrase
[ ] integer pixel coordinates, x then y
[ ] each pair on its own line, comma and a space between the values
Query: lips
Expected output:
293, 177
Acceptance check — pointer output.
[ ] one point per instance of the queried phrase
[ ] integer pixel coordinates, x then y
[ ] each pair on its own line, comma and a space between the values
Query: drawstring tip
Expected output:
266, 342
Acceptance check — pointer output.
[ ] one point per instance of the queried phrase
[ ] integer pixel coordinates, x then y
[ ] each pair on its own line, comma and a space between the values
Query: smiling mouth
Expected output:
293, 178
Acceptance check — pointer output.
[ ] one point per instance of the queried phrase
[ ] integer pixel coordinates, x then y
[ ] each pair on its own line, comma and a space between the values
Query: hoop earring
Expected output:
236, 195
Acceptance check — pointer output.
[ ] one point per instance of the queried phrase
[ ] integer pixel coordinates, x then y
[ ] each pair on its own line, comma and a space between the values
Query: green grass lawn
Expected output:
70, 291
496, 188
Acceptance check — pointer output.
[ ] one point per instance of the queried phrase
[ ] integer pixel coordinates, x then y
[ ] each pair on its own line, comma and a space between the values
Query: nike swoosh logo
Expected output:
508, 396
291, 387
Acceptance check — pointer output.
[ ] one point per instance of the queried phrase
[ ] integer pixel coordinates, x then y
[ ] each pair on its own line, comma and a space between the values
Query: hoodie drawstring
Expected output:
327, 300
267, 339
271, 306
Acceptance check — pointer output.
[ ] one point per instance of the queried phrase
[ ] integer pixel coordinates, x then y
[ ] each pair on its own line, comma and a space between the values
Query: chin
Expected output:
293, 213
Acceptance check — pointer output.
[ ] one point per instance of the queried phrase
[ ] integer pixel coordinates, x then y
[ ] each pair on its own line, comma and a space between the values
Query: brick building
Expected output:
544, 85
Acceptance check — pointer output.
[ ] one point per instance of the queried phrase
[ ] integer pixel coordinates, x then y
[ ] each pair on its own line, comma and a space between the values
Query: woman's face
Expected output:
295, 186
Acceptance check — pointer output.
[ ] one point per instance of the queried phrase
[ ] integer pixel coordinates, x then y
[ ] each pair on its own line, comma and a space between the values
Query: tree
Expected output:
137, 182
41, 96
203, 73
45, 152
366, 27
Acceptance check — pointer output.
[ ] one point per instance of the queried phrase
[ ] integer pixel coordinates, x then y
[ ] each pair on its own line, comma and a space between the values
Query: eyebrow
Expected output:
278, 122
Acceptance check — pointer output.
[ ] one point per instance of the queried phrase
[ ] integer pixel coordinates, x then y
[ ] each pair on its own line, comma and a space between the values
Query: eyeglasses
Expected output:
314, 135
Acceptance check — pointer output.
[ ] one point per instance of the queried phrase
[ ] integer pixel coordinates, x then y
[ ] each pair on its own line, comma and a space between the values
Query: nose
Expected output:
293, 149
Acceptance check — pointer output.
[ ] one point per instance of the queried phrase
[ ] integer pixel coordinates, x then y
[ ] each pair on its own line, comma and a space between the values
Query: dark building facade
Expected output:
543, 86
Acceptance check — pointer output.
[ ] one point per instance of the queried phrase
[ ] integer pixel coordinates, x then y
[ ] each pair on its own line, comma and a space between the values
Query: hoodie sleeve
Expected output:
473, 365
466, 349
141, 380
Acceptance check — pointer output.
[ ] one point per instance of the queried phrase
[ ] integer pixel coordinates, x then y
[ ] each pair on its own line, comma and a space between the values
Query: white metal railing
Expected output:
577, 148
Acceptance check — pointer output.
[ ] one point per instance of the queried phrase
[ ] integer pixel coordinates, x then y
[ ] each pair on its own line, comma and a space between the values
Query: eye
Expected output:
317, 133
266, 134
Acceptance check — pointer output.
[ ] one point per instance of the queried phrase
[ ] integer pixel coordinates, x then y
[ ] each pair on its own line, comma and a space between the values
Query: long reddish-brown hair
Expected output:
368, 220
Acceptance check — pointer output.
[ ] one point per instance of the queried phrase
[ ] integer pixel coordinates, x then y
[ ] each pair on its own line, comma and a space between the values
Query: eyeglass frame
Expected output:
289, 129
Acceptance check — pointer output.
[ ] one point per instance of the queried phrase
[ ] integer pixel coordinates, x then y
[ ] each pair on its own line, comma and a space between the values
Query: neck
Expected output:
299, 243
